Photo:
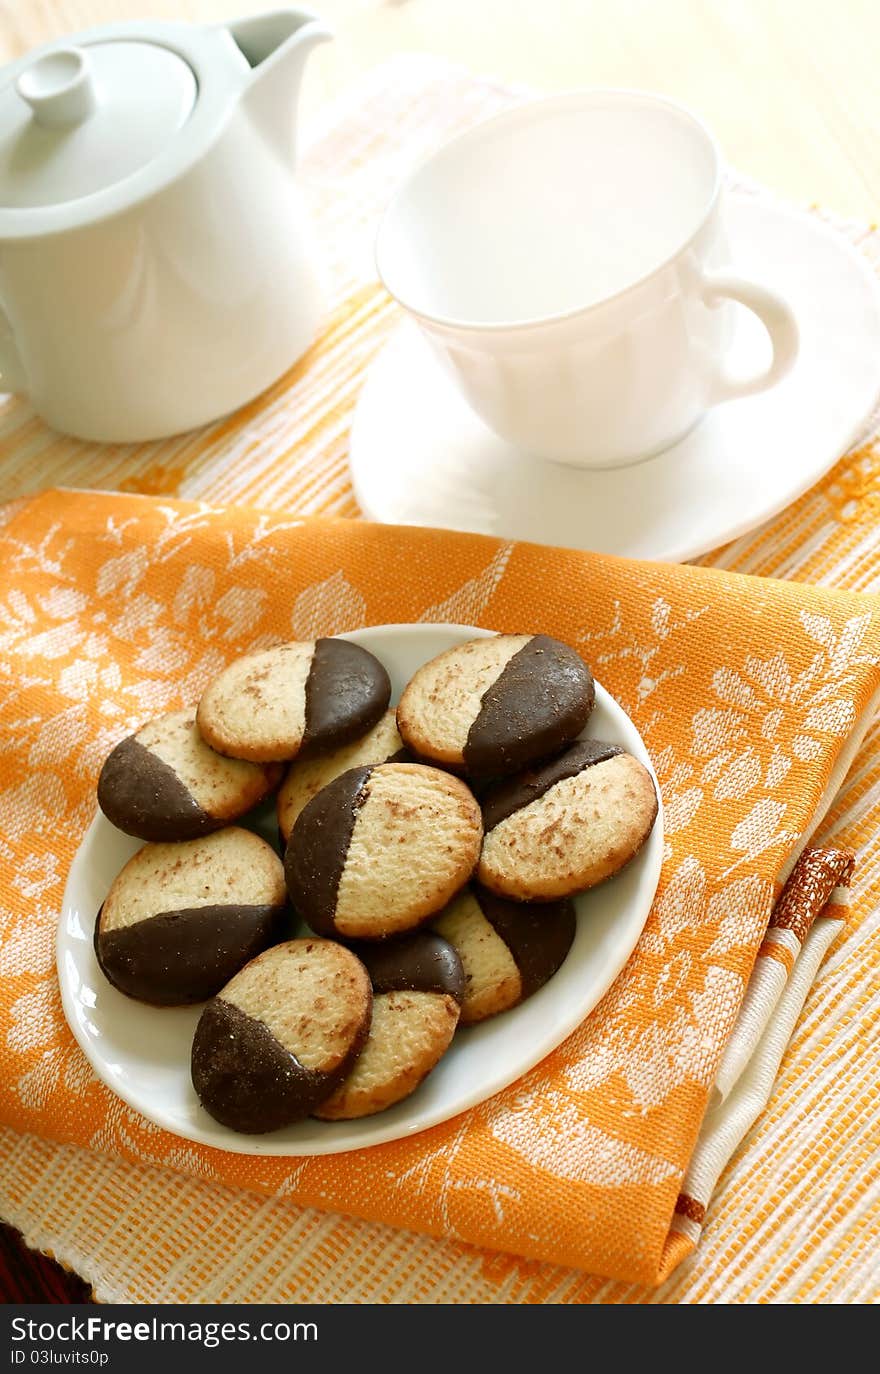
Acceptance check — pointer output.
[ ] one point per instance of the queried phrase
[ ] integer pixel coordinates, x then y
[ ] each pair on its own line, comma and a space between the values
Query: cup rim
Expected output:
522, 112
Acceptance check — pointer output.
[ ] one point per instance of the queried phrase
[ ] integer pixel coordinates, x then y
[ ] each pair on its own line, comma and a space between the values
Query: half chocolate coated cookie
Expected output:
306, 695
566, 825
418, 985
164, 783
491, 706
282, 1035
306, 776
508, 949
181, 919
380, 849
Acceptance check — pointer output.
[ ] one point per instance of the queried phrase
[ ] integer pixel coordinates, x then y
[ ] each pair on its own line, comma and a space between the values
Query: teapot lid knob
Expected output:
59, 88
85, 115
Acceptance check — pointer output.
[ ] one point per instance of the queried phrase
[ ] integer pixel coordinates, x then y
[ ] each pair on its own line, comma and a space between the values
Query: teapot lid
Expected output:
78, 118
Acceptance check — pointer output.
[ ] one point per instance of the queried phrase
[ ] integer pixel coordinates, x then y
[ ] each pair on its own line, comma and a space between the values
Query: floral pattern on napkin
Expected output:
748, 694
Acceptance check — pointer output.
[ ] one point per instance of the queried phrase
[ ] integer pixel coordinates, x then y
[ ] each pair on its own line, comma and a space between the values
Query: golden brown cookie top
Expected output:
490, 706
308, 694
165, 783
566, 826
282, 1035
381, 849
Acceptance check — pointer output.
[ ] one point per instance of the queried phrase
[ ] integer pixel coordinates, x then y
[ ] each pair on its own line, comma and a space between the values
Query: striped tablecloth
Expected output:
796, 1215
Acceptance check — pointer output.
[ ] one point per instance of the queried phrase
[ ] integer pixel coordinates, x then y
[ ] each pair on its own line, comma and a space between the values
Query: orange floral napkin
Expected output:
752, 696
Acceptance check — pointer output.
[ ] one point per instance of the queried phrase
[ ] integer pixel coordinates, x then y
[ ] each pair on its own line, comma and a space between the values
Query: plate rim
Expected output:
258, 1145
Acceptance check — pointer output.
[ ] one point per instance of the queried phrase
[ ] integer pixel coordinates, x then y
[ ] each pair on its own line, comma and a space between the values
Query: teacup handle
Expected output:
776, 317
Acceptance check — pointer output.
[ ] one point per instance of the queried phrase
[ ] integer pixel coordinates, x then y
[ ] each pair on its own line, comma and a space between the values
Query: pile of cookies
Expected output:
430, 908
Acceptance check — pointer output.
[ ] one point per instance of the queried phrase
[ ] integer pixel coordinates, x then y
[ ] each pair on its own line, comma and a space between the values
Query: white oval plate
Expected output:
143, 1052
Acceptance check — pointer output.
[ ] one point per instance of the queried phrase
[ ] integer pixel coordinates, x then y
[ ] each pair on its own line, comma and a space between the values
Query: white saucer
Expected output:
419, 455
142, 1053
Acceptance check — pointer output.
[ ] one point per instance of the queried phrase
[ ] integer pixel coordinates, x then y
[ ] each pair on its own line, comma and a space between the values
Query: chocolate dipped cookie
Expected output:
418, 984
282, 1035
307, 776
508, 949
181, 919
164, 783
307, 695
381, 849
491, 706
566, 825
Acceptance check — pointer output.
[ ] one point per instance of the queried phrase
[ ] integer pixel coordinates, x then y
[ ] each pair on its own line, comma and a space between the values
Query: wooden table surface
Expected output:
791, 87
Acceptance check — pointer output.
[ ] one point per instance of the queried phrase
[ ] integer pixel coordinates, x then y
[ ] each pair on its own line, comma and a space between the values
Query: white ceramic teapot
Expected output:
154, 268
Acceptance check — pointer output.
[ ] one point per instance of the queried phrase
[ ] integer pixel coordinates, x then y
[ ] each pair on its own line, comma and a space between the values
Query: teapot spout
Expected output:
275, 46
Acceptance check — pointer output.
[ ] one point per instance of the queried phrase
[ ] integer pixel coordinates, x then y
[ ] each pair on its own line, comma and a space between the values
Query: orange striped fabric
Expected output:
120, 606
288, 453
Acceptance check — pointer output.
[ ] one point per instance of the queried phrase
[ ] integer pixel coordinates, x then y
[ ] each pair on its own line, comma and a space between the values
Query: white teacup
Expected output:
567, 260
